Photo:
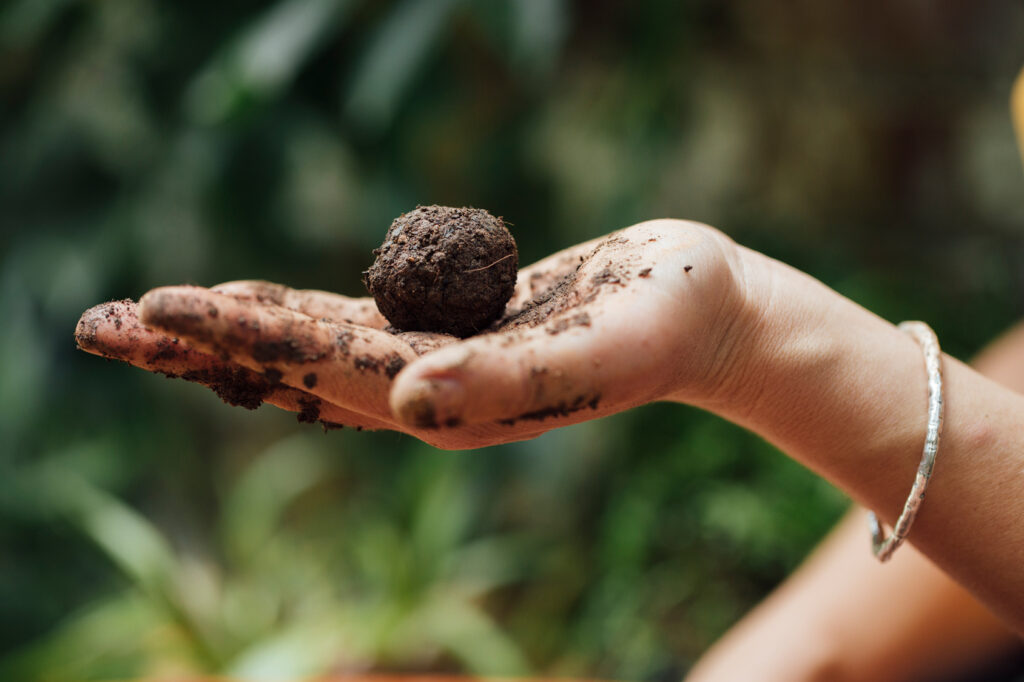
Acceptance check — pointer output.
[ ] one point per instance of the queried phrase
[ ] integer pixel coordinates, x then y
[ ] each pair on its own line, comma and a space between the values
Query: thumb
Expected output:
570, 370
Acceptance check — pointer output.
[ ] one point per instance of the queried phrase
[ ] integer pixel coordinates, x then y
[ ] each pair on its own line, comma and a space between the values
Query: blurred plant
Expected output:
341, 589
314, 565
146, 529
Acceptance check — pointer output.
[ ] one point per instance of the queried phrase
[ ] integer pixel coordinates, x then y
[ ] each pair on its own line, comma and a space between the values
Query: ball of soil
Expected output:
444, 269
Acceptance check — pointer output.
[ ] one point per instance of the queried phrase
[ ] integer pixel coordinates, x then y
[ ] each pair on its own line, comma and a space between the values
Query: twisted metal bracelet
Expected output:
882, 546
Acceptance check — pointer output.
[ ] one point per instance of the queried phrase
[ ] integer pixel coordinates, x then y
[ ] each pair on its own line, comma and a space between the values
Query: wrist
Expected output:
826, 380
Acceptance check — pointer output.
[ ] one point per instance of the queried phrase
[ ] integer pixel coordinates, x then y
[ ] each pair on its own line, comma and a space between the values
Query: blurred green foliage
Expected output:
147, 529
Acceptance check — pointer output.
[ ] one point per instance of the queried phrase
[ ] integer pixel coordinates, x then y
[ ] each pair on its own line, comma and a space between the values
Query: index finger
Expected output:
349, 365
112, 330
313, 302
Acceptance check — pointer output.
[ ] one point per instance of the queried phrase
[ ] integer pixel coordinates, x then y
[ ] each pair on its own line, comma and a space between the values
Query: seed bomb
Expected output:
444, 269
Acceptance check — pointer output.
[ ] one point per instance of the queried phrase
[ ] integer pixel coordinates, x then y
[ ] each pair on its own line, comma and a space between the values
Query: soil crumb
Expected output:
565, 292
310, 411
443, 269
423, 342
563, 409
234, 385
559, 296
559, 326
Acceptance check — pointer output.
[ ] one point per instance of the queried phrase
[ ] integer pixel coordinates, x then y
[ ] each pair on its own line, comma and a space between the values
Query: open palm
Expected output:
637, 316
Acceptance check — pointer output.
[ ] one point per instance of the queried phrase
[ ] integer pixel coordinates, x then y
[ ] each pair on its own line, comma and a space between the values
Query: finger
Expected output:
311, 409
584, 361
333, 307
346, 364
500, 379
316, 304
112, 330
426, 342
476, 435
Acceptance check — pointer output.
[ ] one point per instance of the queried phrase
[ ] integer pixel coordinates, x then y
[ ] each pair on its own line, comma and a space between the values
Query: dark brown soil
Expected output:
391, 364
234, 385
563, 409
310, 412
560, 325
443, 269
566, 289
560, 296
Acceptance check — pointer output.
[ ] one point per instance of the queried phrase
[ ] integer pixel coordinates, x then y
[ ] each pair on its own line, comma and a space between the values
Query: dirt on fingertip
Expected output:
117, 313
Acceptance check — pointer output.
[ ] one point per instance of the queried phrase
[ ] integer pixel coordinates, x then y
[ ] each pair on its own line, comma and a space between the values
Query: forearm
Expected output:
843, 616
1003, 359
844, 392
902, 621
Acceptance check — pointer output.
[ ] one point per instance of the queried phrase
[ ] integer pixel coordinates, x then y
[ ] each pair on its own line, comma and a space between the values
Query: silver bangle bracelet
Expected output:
882, 546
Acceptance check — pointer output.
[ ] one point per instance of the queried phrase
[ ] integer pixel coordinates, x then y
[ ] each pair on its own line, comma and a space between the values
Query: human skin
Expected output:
636, 297
711, 324
902, 621
843, 617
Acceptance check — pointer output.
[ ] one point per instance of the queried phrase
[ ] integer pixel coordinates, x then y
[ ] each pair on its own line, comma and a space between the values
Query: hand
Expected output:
648, 313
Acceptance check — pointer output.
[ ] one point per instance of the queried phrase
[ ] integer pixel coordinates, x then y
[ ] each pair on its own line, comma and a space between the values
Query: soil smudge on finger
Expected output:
422, 413
391, 364
342, 341
309, 412
423, 342
234, 385
167, 349
367, 363
289, 349
562, 409
559, 326
116, 313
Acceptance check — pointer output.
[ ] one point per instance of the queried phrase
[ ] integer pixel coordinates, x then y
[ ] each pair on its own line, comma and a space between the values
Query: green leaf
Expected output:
472, 637
396, 52
265, 58
540, 28
254, 506
137, 548
310, 647
127, 537
105, 639
23, 22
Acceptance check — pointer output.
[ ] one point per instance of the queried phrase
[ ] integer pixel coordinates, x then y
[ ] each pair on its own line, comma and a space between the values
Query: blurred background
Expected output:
148, 529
